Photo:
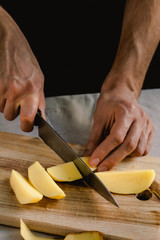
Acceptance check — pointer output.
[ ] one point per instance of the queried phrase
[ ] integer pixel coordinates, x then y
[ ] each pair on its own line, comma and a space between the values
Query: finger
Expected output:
116, 138
10, 110
149, 142
128, 146
142, 143
2, 104
94, 139
29, 107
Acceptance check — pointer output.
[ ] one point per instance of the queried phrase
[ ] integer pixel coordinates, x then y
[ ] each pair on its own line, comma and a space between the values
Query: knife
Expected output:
67, 154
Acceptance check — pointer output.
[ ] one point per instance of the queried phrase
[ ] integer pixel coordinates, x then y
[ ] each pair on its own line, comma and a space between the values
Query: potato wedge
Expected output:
23, 190
127, 182
84, 236
27, 234
67, 172
43, 182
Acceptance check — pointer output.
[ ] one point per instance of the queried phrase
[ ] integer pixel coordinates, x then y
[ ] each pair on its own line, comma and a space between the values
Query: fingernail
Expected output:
94, 162
102, 168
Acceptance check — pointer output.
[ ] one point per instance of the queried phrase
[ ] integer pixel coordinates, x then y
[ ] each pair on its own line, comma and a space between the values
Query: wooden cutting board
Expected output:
83, 209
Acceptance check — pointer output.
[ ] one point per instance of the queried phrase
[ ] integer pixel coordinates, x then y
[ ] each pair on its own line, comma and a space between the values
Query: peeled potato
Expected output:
67, 172
23, 190
84, 236
27, 234
121, 182
42, 181
127, 182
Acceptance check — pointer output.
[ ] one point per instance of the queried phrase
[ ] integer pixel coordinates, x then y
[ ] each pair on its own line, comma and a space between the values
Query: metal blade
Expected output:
67, 154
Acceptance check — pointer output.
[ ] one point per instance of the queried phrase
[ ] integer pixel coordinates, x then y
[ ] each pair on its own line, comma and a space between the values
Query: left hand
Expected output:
121, 128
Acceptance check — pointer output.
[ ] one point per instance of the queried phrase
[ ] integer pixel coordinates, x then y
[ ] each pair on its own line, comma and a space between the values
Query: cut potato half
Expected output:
23, 190
67, 172
43, 182
127, 182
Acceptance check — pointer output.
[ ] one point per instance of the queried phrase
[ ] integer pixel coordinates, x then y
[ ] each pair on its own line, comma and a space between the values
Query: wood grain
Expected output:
83, 209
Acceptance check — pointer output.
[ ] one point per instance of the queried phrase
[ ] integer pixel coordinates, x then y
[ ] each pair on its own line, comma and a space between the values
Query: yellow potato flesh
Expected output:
84, 236
23, 190
67, 172
27, 234
127, 182
42, 181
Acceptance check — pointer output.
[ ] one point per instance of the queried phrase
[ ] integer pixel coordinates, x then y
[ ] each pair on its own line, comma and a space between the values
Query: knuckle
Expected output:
33, 83
36, 83
127, 106
131, 107
130, 145
14, 88
142, 113
139, 152
118, 139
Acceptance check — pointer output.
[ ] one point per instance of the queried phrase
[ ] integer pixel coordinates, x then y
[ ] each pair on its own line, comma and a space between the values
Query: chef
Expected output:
121, 127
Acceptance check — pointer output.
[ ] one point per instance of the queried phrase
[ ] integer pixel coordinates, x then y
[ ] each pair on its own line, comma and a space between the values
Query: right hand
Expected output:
21, 79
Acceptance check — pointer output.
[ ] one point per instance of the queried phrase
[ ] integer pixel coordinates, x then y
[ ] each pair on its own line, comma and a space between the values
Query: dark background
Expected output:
75, 42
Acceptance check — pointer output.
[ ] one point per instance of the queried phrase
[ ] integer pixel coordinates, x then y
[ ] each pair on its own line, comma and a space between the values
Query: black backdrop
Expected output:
75, 42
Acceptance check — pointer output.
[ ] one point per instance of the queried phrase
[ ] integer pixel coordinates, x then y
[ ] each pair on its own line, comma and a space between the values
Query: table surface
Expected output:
71, 116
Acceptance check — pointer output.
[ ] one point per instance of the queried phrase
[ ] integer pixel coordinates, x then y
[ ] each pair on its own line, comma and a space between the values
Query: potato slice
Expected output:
84, 236
27, 234
23, 190
67, 172
127, 182
42, 181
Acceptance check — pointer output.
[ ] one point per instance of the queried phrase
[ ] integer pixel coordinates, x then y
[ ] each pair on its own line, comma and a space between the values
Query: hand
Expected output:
121, 128
21, 79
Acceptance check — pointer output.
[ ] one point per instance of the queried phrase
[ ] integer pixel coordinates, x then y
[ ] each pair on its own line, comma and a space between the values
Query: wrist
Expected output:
120, 80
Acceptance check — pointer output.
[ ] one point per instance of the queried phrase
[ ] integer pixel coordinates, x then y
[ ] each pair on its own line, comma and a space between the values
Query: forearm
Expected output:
21, 79
139, 39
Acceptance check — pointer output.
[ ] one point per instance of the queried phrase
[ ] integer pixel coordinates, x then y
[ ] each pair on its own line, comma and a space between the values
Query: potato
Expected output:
127, 182
23, 190
67, 172
84, 236
28, 235
42, 181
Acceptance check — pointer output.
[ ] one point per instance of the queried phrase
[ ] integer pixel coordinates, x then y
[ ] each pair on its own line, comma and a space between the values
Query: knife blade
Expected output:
67, 154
